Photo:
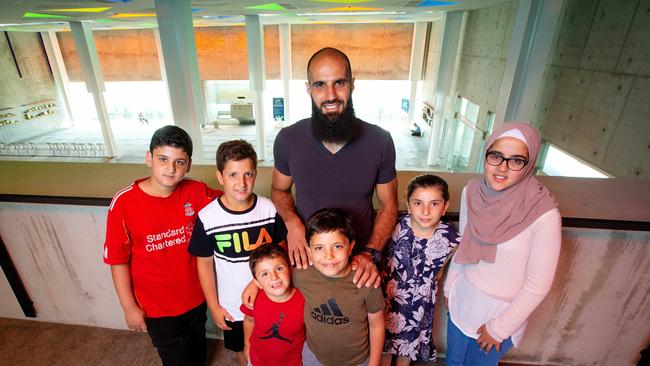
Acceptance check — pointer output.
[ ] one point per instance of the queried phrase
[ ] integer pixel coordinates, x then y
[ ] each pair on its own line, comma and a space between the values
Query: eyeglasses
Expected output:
495, 159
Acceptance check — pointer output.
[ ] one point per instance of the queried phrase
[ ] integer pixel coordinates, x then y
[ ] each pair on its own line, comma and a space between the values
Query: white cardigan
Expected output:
503, 294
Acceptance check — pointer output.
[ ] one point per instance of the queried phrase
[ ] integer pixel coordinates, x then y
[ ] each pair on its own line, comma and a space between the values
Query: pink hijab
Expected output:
494, 217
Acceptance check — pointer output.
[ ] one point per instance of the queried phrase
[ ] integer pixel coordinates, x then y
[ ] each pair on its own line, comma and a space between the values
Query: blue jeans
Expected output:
464, 351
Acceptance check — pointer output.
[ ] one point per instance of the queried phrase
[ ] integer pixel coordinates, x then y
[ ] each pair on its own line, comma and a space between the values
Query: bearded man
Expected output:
336, 160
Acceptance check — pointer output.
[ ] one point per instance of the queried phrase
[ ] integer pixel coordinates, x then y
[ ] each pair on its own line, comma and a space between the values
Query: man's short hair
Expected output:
173, 136
327, 220
267, 251
331, 50
235, 150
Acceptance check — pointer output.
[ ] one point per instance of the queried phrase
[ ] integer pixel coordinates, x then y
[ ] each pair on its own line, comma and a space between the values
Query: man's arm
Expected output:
381, 230
286, 207
386, 215
133, 314
376, 329
205, 267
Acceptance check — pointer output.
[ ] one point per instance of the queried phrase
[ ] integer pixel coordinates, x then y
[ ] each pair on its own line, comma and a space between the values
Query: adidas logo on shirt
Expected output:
329, 313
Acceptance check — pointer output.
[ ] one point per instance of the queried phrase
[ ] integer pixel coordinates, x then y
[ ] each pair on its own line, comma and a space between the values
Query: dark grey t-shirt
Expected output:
344, 180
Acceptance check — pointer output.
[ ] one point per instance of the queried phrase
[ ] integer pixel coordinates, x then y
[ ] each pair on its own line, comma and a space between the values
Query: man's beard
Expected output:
333, 128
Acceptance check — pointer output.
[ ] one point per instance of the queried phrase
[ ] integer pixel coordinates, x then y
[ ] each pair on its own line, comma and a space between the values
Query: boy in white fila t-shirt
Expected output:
226, 232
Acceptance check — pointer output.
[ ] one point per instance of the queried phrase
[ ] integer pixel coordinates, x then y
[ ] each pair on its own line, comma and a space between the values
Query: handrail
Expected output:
575, 222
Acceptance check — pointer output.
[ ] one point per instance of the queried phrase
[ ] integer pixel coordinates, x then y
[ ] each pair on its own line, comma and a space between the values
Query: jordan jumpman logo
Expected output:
275, 331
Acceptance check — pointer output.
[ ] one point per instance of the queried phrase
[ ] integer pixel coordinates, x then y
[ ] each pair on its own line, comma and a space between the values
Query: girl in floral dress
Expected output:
418, 251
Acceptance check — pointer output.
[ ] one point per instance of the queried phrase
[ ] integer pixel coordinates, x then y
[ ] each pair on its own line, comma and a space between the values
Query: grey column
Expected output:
285, 69
59, 72
181, 67
161, 62
415, 70
445, 80
256, 76
529, 49
92, 72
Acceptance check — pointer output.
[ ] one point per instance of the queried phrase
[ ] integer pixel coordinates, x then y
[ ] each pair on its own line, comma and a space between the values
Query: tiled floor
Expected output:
63, 344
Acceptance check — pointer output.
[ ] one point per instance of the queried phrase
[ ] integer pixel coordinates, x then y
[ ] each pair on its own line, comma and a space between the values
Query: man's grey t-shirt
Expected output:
344, 180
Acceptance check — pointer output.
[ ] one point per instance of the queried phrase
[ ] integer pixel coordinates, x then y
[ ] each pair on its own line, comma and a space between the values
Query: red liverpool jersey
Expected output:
152, 234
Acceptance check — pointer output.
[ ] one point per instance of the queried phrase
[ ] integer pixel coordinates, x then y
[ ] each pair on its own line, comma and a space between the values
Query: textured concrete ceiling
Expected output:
36, 15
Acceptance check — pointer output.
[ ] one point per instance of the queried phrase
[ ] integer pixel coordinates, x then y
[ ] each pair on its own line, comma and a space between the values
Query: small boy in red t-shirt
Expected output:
274, 331
148, 230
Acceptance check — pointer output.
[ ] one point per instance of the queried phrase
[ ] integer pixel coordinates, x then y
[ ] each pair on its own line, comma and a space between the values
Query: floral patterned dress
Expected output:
410, 288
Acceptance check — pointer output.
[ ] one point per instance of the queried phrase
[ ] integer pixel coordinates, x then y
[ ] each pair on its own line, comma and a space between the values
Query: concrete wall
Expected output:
131, 54
58, 253
483, 59
595, 101
376, 51
595, 97
124, 55
18, 93
596, 313
598, 308
222, 52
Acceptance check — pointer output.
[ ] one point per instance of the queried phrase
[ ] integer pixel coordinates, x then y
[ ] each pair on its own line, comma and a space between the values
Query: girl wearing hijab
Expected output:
506, 261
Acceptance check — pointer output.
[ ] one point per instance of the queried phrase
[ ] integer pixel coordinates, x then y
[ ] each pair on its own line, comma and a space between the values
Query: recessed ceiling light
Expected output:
271, 6
133, 15
80, 10
45, 16
426, 3
343, 1
353, 13
353, 8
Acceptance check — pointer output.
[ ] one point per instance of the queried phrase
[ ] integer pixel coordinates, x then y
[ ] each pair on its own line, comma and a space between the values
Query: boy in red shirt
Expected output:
274, 331
148, 230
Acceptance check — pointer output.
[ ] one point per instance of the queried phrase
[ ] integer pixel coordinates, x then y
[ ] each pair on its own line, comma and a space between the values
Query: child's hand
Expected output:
485, 340
220, 315
135, 318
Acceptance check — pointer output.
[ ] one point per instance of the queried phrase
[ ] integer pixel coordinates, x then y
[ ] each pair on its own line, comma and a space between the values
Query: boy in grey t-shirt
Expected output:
345, 325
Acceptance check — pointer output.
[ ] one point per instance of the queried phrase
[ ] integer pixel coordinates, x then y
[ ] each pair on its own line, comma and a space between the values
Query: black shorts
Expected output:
234, 339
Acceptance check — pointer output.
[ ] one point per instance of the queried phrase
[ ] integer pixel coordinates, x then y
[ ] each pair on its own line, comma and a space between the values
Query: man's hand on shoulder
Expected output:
367, 273
298, 249
284, 203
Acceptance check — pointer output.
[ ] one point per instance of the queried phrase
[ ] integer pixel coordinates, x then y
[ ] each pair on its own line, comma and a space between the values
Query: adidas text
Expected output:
330, 319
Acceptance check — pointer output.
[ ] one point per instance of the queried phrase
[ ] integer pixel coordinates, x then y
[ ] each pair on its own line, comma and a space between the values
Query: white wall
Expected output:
57, 251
